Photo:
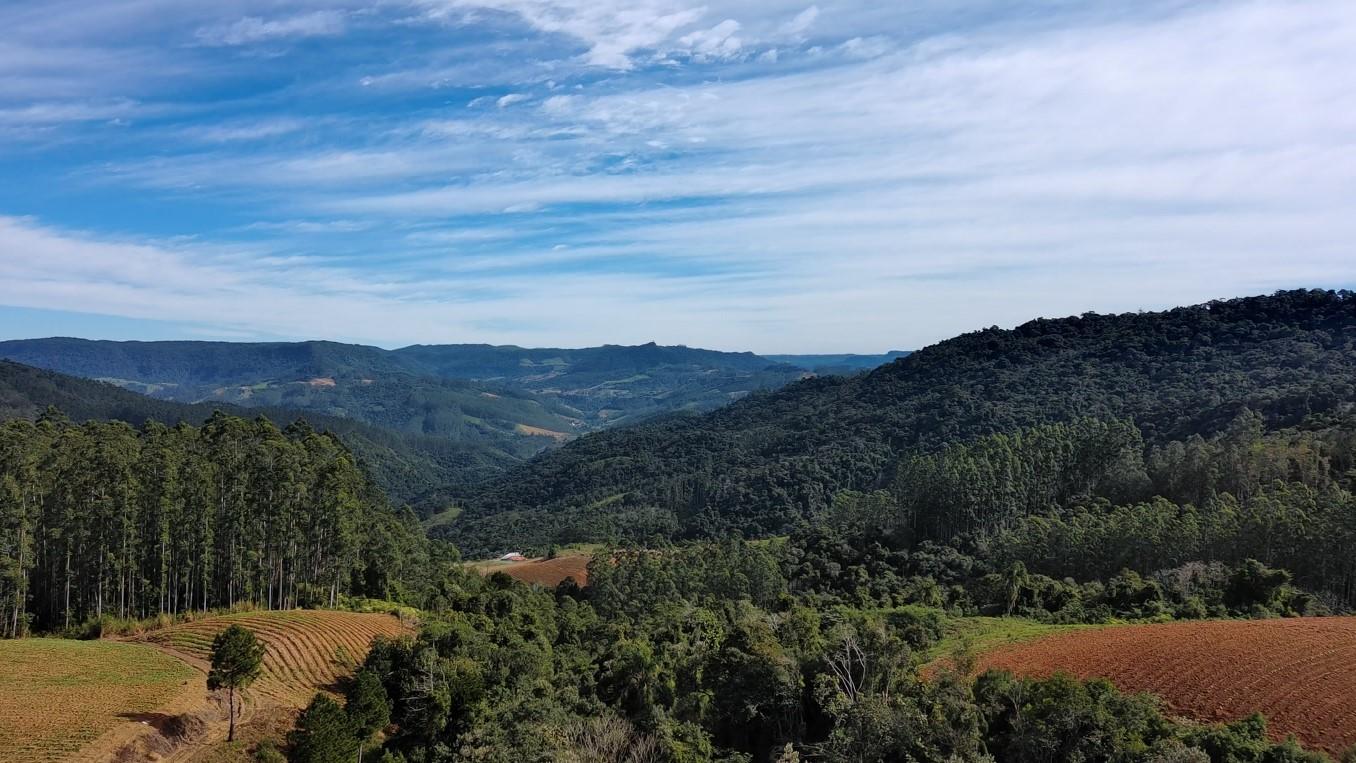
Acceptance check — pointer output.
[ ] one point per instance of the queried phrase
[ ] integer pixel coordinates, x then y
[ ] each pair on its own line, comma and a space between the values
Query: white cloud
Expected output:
508, 100
253, 29
59, 112
899, 187
717, 42
801, 24
612, 30
233, 132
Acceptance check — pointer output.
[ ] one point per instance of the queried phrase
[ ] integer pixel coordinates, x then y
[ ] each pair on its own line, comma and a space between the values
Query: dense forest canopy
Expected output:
710, 654
423, 417
404, 465
764, 464
103, 519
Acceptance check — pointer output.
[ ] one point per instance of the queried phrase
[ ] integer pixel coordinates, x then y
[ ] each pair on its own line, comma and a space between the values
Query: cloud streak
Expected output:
887, 177
252, 29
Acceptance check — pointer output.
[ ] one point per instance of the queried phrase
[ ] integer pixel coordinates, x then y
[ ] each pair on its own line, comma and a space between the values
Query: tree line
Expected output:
104, 520
1086, 500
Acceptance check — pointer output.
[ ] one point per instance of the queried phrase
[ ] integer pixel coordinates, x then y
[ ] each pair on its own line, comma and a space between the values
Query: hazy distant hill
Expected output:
761, 465
839, 364
613, 383
446, 390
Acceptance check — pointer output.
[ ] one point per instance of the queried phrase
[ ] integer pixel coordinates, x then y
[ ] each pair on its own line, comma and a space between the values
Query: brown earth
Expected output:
59, 695
540, 432
1300, 672
546, 572
307, 651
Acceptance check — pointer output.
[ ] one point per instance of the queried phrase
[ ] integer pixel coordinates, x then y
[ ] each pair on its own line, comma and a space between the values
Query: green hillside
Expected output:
611, 384
405, 465
496, 405
762, 465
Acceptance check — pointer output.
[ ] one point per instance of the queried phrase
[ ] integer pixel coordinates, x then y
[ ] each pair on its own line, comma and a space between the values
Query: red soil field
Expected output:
1300, 673
546, 572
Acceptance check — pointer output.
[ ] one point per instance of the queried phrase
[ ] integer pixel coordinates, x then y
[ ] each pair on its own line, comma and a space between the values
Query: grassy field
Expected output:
442, 518
975, 636
57, 695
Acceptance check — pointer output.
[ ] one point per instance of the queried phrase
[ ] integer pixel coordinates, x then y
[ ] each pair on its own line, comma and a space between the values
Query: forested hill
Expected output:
760, 465
404, 465
450, 390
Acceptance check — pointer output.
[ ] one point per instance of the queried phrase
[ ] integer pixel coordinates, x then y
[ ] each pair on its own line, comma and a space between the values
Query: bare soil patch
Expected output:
546, 572
1300, 672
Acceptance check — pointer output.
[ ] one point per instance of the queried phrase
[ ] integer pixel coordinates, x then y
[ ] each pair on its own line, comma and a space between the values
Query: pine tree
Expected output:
367, 706
237, 659
324, 734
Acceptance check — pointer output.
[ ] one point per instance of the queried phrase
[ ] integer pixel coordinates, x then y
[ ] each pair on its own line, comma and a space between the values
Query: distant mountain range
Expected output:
838, 364
497, 404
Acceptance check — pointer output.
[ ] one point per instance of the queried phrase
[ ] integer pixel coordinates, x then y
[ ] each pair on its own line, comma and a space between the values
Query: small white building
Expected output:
513, 556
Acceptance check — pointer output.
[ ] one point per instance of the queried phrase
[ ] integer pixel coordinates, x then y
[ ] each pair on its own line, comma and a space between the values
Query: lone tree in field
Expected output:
237, 658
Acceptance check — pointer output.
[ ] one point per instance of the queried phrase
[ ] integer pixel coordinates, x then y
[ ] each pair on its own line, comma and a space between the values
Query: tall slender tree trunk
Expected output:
20, 584
68, 587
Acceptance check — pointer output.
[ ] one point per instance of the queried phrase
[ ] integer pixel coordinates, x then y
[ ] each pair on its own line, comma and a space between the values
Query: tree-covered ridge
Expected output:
363, 384
561, 390
762, 465
405, 465
102, 519
611, 384
449, 415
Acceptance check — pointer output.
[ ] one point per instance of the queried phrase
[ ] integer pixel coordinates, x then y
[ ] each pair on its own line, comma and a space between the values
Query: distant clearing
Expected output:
441, 518
1300, 673
57, 695
540, 432
546, 572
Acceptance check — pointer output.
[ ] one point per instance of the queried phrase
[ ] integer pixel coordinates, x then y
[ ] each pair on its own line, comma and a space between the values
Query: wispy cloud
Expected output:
772, 175
252, 29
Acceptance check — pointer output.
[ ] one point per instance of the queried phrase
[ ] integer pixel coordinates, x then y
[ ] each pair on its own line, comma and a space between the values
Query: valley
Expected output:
951, 551
677, 381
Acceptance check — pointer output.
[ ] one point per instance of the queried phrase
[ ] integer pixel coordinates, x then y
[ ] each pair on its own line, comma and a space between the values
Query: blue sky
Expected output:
781, 176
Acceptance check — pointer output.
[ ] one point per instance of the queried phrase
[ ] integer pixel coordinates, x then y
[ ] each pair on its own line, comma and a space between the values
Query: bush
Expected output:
268, 752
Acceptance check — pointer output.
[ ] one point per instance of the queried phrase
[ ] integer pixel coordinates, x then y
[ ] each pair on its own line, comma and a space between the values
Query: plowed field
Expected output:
547, 572
1300, 673
302, 646
57, 695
